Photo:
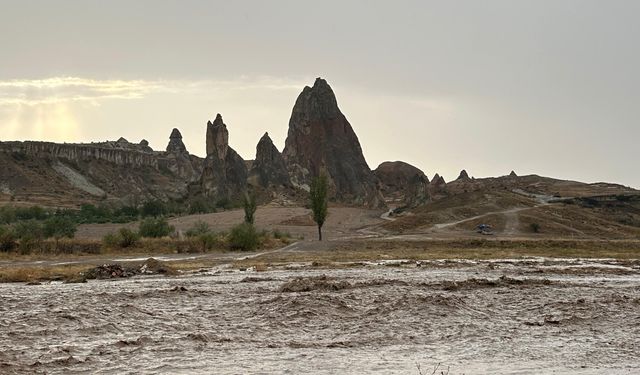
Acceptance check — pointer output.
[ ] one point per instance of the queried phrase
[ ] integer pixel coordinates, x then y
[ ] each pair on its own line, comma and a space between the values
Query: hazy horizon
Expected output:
538, 87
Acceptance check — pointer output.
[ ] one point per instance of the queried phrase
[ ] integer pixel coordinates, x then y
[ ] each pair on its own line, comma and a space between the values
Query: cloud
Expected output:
54, 90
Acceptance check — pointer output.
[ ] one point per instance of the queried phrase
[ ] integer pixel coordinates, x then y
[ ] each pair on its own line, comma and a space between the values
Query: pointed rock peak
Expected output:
122, 140
513, 174
175, 142
463, 175
266, 138
436, 177
217, 138
320, 83
175, 134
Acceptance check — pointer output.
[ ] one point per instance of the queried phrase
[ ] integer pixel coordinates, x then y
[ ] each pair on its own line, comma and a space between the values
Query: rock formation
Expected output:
224, 174
416, 192
513, 174
463, 175
437, 187
176, 145
321, 140
269, 169
402, 182
178, 160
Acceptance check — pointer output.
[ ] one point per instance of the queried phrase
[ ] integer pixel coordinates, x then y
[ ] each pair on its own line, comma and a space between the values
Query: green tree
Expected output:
318, 196
249, 208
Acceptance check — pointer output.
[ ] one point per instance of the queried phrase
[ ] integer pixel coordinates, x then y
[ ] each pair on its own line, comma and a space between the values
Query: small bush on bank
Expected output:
535, 227
155, 228
199, 228
59, 227
7, 239
244, 237
123, 238
281, 235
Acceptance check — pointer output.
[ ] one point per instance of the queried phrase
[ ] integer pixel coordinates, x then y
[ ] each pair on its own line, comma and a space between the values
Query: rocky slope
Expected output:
321, 140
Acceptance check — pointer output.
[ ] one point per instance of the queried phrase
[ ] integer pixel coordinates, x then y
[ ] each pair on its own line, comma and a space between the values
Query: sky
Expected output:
549, 87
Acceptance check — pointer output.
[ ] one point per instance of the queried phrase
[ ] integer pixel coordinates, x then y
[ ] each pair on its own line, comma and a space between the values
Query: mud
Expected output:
494, 317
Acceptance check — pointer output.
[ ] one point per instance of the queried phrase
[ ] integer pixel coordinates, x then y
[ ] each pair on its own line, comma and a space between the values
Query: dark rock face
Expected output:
178, 160
513, 174
269, 169
395, 175
463, 175
321, 140
224, 172
437, 187
175, 143
416, 191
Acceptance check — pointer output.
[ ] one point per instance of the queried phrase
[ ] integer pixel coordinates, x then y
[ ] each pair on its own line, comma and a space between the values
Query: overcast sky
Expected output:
545, 87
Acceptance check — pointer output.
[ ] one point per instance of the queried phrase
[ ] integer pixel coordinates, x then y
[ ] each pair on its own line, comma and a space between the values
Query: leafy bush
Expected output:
153, 208
29, 230
123, 238
535, 227
201, 206
199, 228
280, 235
7, 239
59, 227
244, 237
155, 228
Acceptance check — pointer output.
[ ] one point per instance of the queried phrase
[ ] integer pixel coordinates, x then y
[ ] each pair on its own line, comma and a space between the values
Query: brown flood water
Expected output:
505, 317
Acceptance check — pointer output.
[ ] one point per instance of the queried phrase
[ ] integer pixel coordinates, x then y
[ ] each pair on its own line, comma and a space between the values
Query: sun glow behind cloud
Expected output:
47, 109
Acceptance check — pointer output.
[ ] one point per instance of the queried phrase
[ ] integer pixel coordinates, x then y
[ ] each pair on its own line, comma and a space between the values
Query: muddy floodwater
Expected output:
516, 317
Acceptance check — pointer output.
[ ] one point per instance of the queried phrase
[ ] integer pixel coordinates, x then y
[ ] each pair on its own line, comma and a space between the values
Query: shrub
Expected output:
59, 227
29, 230
155, 228
153, 208
249, 208
224, 203
206, 241
280, 235
7, 239
199, 228
124, 238
244, 237
535, 227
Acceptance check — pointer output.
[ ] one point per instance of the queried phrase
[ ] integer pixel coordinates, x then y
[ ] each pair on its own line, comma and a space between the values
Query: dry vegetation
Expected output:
359, 251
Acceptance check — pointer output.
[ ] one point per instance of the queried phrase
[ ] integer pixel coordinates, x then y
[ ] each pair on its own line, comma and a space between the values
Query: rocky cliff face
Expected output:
178, 160
224, 172
402, 182
268, 169
321, 140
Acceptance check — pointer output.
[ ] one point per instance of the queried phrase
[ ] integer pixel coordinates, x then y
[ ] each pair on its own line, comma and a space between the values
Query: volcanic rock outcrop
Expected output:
401, 181
224, 172
463, 175
175, 143
178, 160
437, 187
268, 170
321, 140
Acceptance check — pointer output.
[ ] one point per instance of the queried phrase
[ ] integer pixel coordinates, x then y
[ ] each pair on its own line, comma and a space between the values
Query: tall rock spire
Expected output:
321, 140
224, 173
